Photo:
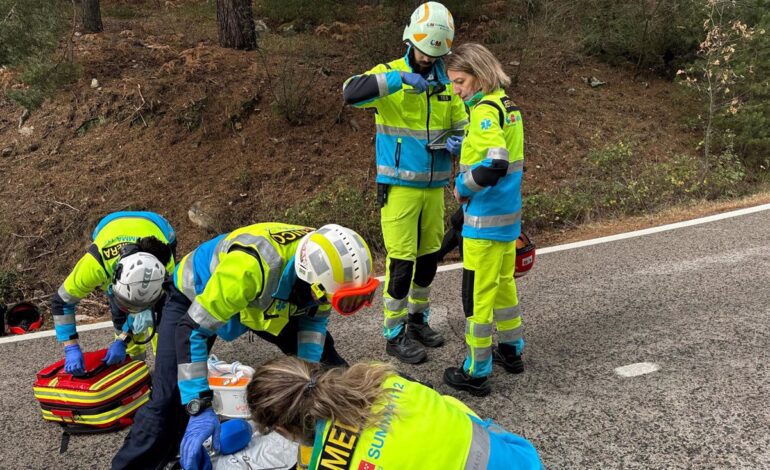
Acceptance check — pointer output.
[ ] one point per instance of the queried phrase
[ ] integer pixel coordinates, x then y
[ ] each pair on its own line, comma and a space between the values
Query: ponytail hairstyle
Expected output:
293, 394
475, 59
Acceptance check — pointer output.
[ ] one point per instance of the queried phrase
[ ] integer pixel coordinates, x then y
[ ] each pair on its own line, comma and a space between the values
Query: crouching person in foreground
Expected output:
280, 281
369, 417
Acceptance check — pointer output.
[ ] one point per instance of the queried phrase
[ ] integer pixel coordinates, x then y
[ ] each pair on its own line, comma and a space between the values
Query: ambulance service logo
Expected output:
486, 124
364, 465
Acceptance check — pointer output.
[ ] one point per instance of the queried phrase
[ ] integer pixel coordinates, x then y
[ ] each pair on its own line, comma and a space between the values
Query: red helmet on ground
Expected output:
525, 255
23, 318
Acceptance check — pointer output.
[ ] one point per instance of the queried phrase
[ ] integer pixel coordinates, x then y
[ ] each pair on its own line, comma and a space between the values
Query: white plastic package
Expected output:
268, 452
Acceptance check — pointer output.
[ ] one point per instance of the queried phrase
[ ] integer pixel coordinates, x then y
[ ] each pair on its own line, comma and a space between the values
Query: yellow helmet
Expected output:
431, 29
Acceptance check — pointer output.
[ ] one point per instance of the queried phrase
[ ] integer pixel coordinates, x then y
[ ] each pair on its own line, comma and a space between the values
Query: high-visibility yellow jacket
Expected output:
420, 429
243, 280
491, 169
96, 268
406, 122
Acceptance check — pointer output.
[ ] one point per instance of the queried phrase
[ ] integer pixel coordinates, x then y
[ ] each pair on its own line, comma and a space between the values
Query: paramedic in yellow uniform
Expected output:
489, 189
130, 255
413, 103
369, 417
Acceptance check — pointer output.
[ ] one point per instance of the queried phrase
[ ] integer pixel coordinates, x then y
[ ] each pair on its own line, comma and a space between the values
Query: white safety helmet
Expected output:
338, 261
431, 29
138, 281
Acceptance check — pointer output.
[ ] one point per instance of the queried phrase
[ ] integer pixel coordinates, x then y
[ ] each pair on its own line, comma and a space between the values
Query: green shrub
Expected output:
381, 43
42, 78
9, 291
306, 13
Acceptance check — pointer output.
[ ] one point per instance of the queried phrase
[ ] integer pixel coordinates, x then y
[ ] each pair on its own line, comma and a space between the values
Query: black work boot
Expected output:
419, 330
505, 355
458, 379
405, 349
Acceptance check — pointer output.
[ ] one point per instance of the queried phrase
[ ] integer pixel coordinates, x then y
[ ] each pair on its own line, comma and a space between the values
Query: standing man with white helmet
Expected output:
128, 259
280, 281
414, 104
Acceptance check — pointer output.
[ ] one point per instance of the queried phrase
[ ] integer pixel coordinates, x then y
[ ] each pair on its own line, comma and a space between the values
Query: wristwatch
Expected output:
196, 406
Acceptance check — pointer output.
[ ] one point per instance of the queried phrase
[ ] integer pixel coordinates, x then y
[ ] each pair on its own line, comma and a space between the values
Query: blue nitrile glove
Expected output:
140, 322
454, 144
234, 435
192, 454
415, 80
73, 360
115, 353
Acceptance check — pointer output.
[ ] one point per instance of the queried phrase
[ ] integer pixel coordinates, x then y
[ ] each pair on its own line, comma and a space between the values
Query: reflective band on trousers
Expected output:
513, 167
418, 308
486, 221
392, 322
478, 454
407, 175
510, 336
60, 320
479, 330
66, 296
314, 337
192, 370
504, 314
417, 292
395, 304
201, 316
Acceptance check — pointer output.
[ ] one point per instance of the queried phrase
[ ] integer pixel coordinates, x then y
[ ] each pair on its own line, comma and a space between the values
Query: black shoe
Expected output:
508, 359
405, 349
423, 333
456, 378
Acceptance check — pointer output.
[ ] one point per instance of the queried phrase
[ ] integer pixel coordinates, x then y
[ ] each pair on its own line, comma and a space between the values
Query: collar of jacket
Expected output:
438, 71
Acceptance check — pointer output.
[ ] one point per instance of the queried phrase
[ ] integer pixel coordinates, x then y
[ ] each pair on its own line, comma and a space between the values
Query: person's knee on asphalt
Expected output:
415, 104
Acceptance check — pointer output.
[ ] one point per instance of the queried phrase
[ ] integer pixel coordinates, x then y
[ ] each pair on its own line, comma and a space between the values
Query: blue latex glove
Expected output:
415, 80
192, 455
115, 353
454, 144
73, 360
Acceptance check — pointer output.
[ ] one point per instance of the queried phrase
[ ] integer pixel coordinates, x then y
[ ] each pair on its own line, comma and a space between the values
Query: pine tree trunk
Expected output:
92, 18
236, 24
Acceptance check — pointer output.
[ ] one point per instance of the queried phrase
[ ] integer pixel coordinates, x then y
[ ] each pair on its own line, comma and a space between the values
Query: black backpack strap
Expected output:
509, 108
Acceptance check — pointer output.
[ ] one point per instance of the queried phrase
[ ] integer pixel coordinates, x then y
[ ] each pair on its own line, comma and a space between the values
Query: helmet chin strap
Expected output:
319, 294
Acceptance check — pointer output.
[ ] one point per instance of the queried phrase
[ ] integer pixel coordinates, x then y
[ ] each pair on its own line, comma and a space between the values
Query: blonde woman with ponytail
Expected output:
368, 417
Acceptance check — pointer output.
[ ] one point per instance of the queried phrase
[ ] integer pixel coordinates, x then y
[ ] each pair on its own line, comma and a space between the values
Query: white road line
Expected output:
453, 266
640, 368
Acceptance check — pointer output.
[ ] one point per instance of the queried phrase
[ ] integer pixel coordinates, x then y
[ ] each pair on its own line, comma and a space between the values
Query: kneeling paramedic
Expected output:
129, 257
280, 281
414, 104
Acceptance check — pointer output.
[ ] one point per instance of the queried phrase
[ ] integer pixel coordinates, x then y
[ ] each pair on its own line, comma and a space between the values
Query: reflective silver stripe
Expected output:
513, 167
275, 266
392, 322
486, 221
505, 314
479, 330
60, 320
418, 308
478, 454
395, 304
66, 296
460, 125
470, 183
202, 317
313, 337
401, 131
382, 84
418, 292
482, 354
407, 175
497, 153
192, 370
509, 336
188, 278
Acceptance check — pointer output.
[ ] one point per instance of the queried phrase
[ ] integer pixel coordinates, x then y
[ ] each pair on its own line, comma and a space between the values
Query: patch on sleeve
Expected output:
486, 124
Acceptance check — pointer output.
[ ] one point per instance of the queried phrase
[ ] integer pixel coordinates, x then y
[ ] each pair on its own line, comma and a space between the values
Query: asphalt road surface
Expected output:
694, 301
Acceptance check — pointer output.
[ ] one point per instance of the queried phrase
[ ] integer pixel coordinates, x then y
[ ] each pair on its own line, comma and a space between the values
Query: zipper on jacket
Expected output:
398, 152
